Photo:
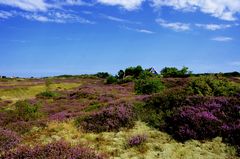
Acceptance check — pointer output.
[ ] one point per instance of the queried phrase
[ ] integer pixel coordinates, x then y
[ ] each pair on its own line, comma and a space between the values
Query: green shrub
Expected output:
148, 86
27, 111
134, 71
160, 106
102, 75
174, 72
47, 94
126, 80
212, 86
111, 80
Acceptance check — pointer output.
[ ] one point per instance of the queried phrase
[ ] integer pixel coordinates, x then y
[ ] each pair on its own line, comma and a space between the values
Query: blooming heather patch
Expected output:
215, 117
111, 118
137, 140
57, 150
8, 140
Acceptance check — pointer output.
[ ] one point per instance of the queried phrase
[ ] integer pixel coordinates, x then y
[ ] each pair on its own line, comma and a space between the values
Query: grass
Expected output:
158, 144
31, 91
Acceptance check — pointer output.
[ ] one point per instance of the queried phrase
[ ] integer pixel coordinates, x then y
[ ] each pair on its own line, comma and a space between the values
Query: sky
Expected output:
53, 37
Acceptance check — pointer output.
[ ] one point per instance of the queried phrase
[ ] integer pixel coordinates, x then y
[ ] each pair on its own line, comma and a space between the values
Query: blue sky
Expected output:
52, 37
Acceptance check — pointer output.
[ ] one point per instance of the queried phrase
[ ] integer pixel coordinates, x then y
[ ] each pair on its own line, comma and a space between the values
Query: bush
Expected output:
8, 140
137, 140
134, 71
57, 150
27, 111
111, 118
47, 94
125, 80
111, 80
102, 75
148, 86
212, 86
174, 72
160, 106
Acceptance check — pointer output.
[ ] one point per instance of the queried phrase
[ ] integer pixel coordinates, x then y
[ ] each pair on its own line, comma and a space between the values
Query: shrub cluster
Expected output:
102, 75
27, 111
137, 140
47, 95
148, 86
57, 150
8, 140
111, 118
111, 80
174, 72
212, 86
159, 106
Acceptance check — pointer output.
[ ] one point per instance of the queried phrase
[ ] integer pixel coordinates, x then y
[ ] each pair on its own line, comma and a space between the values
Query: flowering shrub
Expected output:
8, 140
206, 120
137, 140
111, 118
57, 150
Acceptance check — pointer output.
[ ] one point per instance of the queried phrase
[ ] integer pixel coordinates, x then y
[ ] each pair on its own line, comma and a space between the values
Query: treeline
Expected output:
135, 72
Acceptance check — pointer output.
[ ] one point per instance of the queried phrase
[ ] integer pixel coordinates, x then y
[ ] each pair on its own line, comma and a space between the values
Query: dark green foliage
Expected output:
111, 80
134, 71
102, 74
148, 86
174, 72
160, 106
120, 74
126, 80
27, 111
47, 94
212, 86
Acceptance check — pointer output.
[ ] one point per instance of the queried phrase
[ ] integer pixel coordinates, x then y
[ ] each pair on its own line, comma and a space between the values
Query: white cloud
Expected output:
222, 39
223, 9
117, 19
126, 4
177, 26
146, 31
214, 27
27, 5
5, 15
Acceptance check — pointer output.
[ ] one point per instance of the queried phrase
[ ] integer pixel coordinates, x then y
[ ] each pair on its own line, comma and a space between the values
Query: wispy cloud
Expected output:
176, 26
27, 5
126, 4
44, 11
222, 9
5, 14
117, 19
145, 31
214, 27
222, 39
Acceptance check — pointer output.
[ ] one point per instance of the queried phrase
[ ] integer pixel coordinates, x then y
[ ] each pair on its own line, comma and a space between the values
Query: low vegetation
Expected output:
134, 114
